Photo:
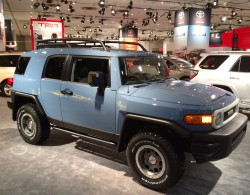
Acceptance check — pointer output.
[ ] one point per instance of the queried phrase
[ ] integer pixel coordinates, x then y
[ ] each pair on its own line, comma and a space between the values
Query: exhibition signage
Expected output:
129, 35
45, 29
192, 28
10, 43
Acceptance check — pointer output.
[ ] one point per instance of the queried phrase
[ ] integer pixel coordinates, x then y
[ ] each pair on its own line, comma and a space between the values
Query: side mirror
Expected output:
95, 78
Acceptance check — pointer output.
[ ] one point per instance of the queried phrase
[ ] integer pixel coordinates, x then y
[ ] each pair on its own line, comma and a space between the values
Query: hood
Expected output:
182, 92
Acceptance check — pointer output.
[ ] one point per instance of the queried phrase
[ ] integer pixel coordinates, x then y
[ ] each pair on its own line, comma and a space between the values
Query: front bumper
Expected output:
220, 143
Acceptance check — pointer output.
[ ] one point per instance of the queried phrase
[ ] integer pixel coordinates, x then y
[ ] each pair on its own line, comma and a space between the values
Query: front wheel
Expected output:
153, 161
6, 89
32, 126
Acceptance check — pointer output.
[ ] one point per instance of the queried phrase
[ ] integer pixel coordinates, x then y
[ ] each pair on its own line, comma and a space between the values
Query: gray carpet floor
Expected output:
68, 165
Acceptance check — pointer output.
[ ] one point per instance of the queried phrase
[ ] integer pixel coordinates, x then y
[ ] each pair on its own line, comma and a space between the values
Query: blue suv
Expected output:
122, 99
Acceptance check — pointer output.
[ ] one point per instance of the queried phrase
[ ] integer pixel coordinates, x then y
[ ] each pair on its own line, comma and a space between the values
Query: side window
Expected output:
54, 67
22, 65
8, 60
213, 62
236, 66
82, 66
245, 64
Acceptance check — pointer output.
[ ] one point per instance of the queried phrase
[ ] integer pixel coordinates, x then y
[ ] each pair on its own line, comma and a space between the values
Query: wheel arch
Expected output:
134, 124
20, 99
227, 88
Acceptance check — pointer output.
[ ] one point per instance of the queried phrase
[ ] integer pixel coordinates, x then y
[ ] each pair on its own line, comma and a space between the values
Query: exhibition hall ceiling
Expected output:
153, 18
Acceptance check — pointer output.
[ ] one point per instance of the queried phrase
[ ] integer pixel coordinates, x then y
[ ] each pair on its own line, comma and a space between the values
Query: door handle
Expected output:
234, 78
66, 92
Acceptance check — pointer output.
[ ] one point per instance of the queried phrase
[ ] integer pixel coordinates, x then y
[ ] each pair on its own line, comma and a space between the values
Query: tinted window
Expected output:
212, 62
245, 64
22, 65
82, 66
236, 66
54, 68
9, 60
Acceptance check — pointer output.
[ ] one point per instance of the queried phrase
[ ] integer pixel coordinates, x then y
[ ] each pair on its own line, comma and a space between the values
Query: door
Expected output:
83, 108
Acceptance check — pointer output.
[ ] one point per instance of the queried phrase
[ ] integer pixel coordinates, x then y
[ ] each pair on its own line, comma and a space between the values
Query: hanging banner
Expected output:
215, 38
192, 31
129, 35
10, 42
45, 29
2, 28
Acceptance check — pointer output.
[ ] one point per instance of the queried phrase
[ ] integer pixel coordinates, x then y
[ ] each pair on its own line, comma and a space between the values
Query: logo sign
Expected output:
45, 29
200, 17
181, 15
181, 18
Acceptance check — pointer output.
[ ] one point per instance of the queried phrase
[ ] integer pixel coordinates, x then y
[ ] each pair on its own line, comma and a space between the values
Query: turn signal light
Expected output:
199, 119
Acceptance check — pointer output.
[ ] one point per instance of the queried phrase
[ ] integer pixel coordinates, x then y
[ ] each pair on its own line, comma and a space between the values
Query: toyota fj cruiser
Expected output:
123, 100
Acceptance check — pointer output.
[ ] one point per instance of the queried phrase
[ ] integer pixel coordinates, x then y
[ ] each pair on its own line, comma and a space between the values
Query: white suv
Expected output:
229, 70
8, 61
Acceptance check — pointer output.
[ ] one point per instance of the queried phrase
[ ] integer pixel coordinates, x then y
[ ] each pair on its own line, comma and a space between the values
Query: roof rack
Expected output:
80, 42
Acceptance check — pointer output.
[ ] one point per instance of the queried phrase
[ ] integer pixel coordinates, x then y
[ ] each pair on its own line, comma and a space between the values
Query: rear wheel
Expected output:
6, 89
32, 126
153, 161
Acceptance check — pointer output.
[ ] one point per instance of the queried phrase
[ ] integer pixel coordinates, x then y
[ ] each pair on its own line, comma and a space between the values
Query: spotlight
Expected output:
169, 16
240, 20
66, 2
209, 6
91, 20
101, 21
113, 12
125, 14
212, 27
102, 3
82, 20
102, 11
224, 18
24, 26
216, 3
234, 14
90, 30
100, 30
121, 21
36, 5
71, 9
58, 8
44, 17
62, 18
230, 27
84, 29
68, 19
39, 17
130, 5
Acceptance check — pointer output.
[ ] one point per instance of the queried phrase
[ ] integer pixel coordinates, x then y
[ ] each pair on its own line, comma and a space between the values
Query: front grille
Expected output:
229, 113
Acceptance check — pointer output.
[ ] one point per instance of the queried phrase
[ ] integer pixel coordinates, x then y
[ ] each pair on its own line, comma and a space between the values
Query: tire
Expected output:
6, 89
32, 126
153, 161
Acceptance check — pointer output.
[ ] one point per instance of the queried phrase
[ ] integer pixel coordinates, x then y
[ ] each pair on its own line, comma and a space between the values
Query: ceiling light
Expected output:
66, 1
216, 3
82, 20
230, 27
125, 14
234, 14
121, 21
113, 12
130, 5
58, 8
91, 20
71, 9
240, 20
101, 21
102, 11
224, 18
84, 29
24, 26
102, 3
169, 16
68, 19
62, 18
39, 17
36, 5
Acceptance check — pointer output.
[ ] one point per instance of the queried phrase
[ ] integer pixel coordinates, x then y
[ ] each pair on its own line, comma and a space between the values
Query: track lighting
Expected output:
113, 12
216, 3
36, 5
234, 14
71, 9
101, 21
224, 18
91, 20
58, 8
101, 3
130, 5
82, 20
102, 11
240, 20
44, 6
169, 16
68, 19
24, 26
125, 14
62, 18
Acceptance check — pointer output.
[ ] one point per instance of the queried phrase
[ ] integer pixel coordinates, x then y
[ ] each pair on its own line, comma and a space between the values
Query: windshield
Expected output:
182, 63
135, 70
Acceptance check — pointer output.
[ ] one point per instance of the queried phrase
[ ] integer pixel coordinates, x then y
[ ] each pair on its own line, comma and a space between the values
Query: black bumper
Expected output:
220, 143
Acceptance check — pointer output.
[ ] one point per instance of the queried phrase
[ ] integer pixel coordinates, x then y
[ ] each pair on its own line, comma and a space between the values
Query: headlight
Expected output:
218, 119
201, 119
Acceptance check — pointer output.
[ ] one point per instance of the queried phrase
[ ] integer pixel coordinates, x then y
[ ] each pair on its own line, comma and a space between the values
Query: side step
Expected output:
92, 140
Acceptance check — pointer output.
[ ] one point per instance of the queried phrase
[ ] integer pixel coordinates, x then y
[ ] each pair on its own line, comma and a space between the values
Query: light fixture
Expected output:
121, 22
212, 27
113, 12
91, 20
169, 16
24, 26
216, 3
44, 6
125, 14
71, 9
100, 30
62, 18
36, 5
82, 20
101, 21
84, 29
209, 5
57, 8
234, 14
240, 20
230, 27
224, 18
102, 11
68, 19
130, 5
39, 17
48, 1
66, 1
102, 3
90, 30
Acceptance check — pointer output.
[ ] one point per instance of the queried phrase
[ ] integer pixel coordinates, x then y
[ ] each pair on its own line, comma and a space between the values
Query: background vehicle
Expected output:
179, 68
123, 100
8, 62
229, 70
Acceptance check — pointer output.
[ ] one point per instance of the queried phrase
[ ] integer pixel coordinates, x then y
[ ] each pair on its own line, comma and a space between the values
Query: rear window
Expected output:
8, 60
22, 65
213, 62
242, 65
